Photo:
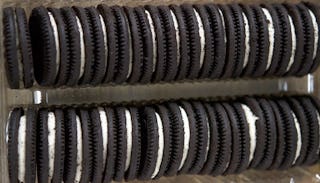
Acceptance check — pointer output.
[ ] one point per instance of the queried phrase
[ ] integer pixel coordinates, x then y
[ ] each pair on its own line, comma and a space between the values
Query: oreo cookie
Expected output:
257, 130
26, 143
149, 143
12, 131
110, 162
42, 38
97, 144
51, 142
190, 137
291, 134
56, 144
270, 117
148, 47
287, 135
274, 39
262, 51
315, 18
170, 38
213, 140
298, 39
160, 149
177, 140
11, 51
17, 46
251, 40
129, 137
112, 41
26, 72
240, 151
311, 110
286, 44
183, 60
234, 37
20, 136
30, 145
134, 164
60, 37
87, 154
105, 135
121, 144
136, 47
192, 22
125, 116
223, 155
163, 113
70, 163
158, 40
43, 145
302, 143
248, 135
309, 48
75, 45
122, 57
206, 39
79, 159
238, 20
202, 138
87, 59
218, 41
98, 33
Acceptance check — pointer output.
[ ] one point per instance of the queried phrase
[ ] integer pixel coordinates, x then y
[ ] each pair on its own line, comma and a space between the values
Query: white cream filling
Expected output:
105, 39
316, 33
104, 130
298, 150
294, 43
208, 142
202, 37
153, 35
79, 151
227, 165
56, 41
22, 148
251, 120
271, 32
130, 50
161, 146
223, 24
129, 138
7, 127
186, 129
247, 40
51, 142
176, 27
82, 52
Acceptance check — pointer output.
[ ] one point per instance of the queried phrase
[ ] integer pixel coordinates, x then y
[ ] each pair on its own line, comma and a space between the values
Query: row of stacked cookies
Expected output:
91, 46
95, 144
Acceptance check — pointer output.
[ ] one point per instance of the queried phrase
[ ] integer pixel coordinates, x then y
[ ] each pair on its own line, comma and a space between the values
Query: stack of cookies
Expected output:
100, 45
145, 142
